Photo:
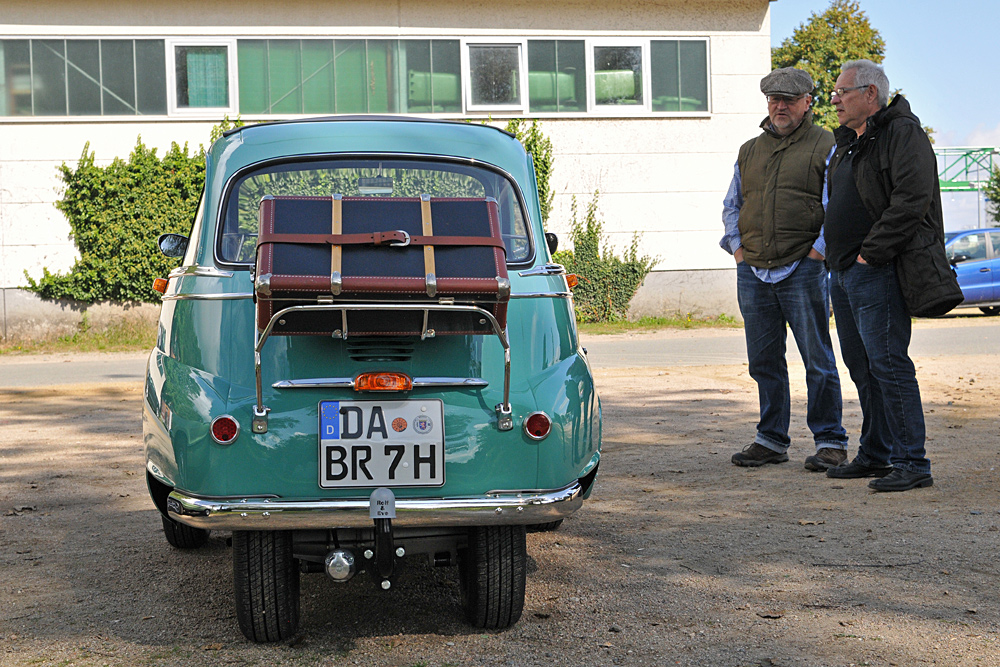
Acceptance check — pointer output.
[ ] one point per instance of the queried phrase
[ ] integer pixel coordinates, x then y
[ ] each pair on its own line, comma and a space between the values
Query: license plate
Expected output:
381, 443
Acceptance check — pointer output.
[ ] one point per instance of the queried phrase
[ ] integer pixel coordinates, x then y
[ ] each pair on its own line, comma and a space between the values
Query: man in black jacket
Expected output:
884, 198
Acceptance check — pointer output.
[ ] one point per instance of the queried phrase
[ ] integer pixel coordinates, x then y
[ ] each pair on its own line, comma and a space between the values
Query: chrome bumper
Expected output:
492, 509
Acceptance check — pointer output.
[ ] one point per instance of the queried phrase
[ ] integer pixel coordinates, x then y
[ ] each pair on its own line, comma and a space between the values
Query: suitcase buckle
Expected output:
401, 244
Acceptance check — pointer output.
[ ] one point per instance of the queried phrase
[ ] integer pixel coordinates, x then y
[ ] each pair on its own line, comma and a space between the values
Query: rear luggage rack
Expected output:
505, 420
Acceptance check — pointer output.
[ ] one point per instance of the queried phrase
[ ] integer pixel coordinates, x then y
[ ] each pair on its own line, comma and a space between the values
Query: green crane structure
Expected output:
966, 169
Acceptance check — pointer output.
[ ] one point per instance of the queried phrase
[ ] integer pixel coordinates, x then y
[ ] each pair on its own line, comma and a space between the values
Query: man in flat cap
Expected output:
773, 217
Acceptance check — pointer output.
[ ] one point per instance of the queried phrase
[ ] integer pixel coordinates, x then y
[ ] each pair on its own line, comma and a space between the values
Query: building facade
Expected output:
645, 101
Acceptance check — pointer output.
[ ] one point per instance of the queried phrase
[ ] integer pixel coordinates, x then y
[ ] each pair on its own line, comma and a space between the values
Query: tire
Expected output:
545, 527
492, 573
181, 536
990, 310
266, 583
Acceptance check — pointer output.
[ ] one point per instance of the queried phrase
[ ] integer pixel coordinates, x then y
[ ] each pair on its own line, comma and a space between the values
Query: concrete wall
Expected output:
24, 316
661, 176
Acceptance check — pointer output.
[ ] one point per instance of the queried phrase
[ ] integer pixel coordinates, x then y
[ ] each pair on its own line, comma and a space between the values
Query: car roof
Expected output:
396, 135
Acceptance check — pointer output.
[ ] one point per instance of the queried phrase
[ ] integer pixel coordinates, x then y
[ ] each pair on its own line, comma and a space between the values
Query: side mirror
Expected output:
172, 245
552, 241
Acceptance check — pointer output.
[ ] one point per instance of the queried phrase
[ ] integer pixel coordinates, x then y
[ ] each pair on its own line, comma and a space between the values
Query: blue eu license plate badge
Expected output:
381, 443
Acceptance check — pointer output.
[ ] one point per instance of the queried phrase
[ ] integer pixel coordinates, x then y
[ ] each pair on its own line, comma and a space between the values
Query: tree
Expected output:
992, 193
821, 45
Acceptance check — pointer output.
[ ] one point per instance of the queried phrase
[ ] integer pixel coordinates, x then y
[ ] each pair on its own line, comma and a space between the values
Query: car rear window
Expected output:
368, 177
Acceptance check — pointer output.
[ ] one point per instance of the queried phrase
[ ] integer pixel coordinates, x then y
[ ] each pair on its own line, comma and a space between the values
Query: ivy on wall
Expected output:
116, 213
607, 282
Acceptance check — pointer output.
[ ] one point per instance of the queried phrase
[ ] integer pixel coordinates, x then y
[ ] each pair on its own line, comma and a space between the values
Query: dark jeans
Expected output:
800, 301
874, 330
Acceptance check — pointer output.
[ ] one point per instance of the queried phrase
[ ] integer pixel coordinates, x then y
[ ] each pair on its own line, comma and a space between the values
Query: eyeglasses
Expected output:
839, 92
774, 99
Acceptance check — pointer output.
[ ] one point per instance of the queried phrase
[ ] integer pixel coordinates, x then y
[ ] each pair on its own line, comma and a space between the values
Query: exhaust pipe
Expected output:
340, 565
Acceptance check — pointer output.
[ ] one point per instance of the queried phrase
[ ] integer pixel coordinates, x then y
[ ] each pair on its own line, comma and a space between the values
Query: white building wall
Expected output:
663, 177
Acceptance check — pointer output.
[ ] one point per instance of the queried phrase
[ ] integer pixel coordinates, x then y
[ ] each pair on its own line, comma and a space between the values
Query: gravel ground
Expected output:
680, 558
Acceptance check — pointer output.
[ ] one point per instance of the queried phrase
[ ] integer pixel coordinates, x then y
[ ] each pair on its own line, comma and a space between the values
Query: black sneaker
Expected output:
826, 458
902, 480
855, 470
754, 455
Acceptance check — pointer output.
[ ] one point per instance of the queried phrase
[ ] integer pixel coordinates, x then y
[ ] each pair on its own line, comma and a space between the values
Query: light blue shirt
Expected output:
731, 240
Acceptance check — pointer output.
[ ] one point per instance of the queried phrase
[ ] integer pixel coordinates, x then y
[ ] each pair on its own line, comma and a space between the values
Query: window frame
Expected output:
232, 77
522, 70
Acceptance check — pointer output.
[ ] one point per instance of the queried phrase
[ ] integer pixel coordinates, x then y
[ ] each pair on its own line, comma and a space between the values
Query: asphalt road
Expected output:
693, 347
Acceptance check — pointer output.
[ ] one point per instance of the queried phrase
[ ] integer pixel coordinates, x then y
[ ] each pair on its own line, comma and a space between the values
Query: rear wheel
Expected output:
492, 573
990, 310
266, 579
181, 536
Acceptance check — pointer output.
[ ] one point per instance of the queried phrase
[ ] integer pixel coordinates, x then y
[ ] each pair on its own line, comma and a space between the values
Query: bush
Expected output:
115, 215
607, 283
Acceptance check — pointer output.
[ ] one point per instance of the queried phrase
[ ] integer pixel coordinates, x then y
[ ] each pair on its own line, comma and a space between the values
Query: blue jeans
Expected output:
800, 301
874, 330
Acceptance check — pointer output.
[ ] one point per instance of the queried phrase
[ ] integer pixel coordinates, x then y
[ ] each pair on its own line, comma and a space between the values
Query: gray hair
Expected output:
868, 73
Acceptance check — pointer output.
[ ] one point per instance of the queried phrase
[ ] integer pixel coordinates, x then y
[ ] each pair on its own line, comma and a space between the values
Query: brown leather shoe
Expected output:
826, 458
754, 455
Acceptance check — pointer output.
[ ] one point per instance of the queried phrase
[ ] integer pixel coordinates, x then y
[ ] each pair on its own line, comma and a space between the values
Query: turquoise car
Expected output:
492, 434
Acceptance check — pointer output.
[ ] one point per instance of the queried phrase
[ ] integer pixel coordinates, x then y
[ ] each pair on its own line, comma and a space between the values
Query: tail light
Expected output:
225, 429
384, 381
160, 285
537, 425
572, 280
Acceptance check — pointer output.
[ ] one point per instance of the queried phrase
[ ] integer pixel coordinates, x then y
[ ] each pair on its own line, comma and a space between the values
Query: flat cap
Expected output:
787, 81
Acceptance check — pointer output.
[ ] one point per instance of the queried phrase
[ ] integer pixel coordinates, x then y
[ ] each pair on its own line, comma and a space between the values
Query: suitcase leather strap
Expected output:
397, 238
430, 277
336, 280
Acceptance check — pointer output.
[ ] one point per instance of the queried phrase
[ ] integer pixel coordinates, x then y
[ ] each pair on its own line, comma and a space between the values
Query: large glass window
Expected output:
618, 75
82, 77
557, 75
494, 75
291, 76
405, 178
679, 75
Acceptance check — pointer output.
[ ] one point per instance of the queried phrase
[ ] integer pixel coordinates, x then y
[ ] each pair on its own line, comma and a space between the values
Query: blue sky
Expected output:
941, 54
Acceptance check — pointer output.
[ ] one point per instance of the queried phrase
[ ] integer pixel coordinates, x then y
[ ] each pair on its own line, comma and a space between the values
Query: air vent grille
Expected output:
380, 350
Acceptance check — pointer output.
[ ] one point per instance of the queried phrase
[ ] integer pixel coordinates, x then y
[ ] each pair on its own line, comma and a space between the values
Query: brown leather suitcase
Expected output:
380, 250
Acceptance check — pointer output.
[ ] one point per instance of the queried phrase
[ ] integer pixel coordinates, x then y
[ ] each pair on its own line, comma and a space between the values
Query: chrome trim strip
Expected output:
207, 297
542, 295
544, 270
201, 271
348, 383
507, 508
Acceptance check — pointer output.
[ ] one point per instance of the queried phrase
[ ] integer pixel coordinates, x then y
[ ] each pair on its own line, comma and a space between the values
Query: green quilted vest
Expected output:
782, 179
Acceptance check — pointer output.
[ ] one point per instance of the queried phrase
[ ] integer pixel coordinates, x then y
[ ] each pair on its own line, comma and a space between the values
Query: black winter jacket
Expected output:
895, 171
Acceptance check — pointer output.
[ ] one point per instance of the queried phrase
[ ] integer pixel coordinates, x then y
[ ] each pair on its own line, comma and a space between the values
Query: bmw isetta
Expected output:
367, 355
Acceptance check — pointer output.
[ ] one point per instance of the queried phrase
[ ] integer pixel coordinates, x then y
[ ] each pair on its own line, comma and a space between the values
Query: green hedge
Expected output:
115, 215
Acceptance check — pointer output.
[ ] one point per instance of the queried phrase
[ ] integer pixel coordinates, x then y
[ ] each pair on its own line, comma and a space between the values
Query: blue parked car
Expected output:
975, 254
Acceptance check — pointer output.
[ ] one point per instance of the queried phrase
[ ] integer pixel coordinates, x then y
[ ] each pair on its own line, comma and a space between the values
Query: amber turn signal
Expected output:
572, 280
386, 381
160, 285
